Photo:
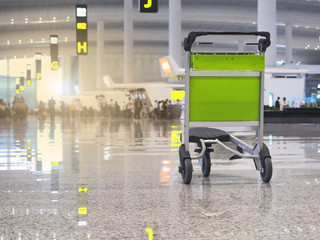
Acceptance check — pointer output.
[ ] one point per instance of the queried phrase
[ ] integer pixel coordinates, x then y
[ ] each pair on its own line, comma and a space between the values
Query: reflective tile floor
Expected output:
114, 179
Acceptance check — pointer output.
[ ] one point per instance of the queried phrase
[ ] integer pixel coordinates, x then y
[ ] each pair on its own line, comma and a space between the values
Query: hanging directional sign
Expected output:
82, 29
21, 81
148, 6
38, 65
17, 86
54, 41
28, 75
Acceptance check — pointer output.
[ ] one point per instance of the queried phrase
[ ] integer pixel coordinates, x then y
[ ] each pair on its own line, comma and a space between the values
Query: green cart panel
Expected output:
224, 99
227, 62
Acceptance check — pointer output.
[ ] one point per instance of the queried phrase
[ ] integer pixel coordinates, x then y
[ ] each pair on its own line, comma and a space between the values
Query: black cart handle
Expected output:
263, 43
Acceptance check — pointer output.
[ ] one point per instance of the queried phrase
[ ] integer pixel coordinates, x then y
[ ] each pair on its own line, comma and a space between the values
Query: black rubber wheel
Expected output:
206, 165
266, 164
187, 171
266, 175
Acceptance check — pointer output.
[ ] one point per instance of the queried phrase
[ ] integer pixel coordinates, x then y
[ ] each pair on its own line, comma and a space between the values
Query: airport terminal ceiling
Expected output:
25, 26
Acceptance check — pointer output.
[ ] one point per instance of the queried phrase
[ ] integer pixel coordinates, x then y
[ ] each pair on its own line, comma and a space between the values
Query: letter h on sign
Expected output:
82, 29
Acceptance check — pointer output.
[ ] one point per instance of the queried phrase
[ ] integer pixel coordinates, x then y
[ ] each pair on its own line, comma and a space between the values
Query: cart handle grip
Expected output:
263, 43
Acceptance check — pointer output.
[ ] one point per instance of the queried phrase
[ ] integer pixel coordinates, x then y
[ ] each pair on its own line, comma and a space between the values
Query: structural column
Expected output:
128, 41
100, 54
67, 76
82, 73
175, 30
8, 82
288, 44
267, 17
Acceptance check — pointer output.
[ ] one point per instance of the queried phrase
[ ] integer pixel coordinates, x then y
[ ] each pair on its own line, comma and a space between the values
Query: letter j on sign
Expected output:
148, 6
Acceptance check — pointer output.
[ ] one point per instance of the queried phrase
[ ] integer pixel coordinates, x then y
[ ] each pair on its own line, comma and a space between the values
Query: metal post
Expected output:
187, 102
100, 54
128, 41
261, 120
8, 82
267, 19
175, 30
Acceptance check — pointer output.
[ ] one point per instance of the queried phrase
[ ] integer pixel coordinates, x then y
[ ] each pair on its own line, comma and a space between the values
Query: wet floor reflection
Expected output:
92, 178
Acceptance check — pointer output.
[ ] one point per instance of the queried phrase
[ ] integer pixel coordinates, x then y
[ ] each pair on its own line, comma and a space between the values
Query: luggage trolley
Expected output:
223, 89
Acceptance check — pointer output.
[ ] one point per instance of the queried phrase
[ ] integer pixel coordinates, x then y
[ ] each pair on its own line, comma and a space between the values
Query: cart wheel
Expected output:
205, 163
266, 163
187, 171
266, 175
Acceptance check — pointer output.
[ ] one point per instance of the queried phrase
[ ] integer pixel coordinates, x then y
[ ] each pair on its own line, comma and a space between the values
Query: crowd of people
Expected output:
281, 105
18, 110
132, 109
164, 109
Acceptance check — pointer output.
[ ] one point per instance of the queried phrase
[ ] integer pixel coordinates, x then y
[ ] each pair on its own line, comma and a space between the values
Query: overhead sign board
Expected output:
148, 6
81, 29
54, 42
38, 65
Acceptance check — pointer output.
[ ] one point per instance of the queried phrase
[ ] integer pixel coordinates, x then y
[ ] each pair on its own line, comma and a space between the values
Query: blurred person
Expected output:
137, 108
284, 104
155, 109
63, 109
41, 111
169, 110
73, 109
52, 108
277, 103
129, 109
112, 108
145, 111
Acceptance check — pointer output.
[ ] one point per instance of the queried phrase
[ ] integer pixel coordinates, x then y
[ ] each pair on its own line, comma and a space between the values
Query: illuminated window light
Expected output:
54, 19
253, 22
68, 19
307, 27
14, 57
66, 39
318, 27
26, 20
43, 40
8, 42
19, 41
296, 26
12, 21
31, 40
40, 19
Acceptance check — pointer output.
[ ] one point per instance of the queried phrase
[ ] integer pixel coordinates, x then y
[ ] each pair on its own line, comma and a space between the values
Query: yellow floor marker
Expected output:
149, 231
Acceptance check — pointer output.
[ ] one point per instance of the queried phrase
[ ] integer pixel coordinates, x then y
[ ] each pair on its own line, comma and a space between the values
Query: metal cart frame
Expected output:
207, 137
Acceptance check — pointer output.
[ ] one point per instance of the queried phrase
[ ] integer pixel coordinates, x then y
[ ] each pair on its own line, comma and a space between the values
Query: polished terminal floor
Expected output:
117, 179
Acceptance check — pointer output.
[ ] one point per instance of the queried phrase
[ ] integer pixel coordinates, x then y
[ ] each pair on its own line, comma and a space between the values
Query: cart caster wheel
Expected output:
266, 164
187, 171
205, 163
266, 175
